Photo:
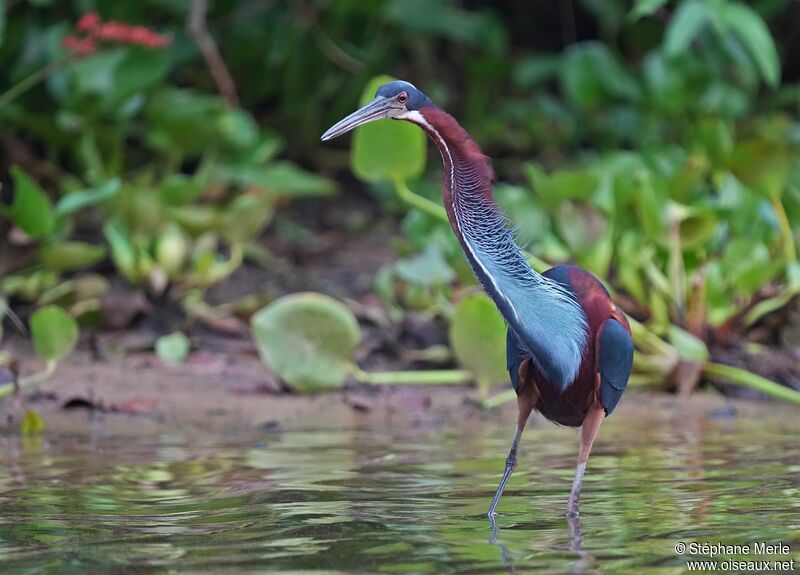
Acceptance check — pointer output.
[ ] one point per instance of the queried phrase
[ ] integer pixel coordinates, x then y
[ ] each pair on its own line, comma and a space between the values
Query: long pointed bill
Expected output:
379, 108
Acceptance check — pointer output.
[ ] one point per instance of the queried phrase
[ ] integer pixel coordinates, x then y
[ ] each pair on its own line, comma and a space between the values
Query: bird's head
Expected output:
397, 100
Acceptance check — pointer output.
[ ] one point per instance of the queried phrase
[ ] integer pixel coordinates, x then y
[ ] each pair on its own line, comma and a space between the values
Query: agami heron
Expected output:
569, 350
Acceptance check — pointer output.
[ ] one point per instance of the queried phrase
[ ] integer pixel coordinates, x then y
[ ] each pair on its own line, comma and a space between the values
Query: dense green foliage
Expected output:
660, 151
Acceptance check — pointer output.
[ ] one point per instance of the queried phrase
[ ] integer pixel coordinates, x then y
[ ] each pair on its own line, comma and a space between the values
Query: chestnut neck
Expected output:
467, 171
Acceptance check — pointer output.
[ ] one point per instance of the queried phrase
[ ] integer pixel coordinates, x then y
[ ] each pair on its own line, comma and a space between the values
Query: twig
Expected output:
197, 28
29, 82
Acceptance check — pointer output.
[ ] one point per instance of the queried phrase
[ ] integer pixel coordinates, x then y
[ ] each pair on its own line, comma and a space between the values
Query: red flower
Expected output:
88, 22
112, 32
79, 46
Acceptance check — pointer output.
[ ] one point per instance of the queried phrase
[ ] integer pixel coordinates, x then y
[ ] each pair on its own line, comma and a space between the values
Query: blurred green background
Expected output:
655, 143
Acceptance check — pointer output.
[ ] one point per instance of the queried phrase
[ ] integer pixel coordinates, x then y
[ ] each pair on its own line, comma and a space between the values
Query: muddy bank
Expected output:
219, 393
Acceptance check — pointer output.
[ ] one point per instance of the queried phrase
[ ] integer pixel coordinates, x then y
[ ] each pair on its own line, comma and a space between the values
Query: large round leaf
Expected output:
308, 339
387, 149
54, 332
478, 337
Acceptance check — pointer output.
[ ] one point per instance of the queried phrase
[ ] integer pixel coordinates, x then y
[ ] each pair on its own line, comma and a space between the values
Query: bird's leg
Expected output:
589, 430
527, 397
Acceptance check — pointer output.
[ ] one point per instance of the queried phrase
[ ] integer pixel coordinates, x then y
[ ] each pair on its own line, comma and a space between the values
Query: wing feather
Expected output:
615, 359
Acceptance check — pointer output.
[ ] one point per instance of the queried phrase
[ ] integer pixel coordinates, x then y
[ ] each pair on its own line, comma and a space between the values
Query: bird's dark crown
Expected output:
416, 99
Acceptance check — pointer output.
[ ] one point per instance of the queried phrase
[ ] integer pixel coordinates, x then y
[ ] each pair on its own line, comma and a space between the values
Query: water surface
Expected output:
409, 500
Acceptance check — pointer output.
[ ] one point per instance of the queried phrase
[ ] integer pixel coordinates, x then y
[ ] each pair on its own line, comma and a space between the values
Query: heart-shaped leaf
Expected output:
308, 339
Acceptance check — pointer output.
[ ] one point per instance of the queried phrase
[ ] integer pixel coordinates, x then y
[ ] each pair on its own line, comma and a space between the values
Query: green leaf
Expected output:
32, 210
387, 149
697, 225
651, 205
428, 268
123, 252
185, 120
172, 249
592, 75
179, 189
31, 424
762, 165
173, 348
688, 345
689, 20
754, 34
238, 129
81, 199
278, 178
308, 339
645, 8
70, 255
531, 71
580, 225
561, 185
245, 217
478, 337
54, 332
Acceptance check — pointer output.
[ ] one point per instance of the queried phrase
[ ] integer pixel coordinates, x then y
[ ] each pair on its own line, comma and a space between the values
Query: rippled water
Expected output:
395, 501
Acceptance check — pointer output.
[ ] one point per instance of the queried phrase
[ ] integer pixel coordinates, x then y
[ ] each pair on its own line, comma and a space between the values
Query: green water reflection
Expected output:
395, 501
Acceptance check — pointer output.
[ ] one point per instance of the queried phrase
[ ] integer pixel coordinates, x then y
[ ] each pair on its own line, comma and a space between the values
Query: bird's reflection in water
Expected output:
576, 544
584, 558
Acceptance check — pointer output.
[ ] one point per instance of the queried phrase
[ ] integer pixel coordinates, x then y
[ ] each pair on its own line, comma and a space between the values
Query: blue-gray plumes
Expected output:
546, 318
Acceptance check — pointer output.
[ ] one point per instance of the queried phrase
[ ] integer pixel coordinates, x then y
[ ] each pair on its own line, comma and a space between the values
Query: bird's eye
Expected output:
402, 97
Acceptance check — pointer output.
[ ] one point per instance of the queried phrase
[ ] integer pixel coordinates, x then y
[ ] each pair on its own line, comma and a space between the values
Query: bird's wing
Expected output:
515, 355
615, 359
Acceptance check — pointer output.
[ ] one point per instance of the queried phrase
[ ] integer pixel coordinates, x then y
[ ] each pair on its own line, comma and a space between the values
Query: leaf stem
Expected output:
786, 230
739, 376
418, 201
426, 377
29, 381
499, 399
